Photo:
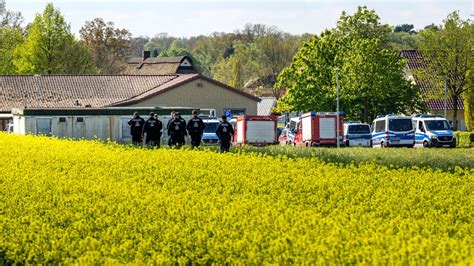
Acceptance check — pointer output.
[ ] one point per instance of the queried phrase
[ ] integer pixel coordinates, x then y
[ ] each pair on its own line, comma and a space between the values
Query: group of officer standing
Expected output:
177, 130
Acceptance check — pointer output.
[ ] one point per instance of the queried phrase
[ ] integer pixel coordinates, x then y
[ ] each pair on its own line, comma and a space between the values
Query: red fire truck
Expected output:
255, 130
319, 129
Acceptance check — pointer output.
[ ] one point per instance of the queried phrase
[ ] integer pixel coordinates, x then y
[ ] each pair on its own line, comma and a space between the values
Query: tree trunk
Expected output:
455, 112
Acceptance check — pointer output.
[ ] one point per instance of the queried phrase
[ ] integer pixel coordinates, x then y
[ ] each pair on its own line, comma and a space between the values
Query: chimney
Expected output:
154, 53
146, 54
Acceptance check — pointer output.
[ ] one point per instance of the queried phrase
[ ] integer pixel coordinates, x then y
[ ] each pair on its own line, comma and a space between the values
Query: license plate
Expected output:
395, 141
446, 146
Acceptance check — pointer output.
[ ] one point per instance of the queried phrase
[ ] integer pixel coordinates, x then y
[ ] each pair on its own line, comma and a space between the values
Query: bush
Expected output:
465, 139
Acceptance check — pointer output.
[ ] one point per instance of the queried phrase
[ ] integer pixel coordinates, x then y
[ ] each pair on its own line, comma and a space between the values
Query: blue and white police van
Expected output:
209, 136
357, 134
393, 131
433, 131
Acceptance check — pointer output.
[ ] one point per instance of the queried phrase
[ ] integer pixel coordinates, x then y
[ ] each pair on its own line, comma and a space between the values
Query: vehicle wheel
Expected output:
426, 144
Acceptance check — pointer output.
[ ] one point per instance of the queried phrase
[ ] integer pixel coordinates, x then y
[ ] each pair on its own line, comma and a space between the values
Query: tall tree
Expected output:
11, 35
109, 46
49, 46
9, 18
371, 76
449, 51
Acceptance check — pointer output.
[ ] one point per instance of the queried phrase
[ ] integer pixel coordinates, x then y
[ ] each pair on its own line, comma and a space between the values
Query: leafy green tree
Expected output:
11, 37
449, 51
468, 97
50, 47
402, 41
408, 28
372, 76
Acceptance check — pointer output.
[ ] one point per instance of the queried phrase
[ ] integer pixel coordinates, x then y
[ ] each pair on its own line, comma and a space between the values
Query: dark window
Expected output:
62, 120
437, 125
420, 126
359, 129
380, 126
400, 124
211, 127
80, 119
234, 112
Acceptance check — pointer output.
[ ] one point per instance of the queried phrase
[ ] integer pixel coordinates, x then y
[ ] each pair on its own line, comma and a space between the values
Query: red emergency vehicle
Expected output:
255, 130
319, 129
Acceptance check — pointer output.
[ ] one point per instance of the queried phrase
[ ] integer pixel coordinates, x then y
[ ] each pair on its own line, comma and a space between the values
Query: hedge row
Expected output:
465, 139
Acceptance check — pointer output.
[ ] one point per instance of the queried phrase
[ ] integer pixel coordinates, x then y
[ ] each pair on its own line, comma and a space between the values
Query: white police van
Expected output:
209, 136
433, 131
357, 134
393, 131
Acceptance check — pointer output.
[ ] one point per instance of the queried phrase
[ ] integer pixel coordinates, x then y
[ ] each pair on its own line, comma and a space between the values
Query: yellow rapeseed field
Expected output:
85, 202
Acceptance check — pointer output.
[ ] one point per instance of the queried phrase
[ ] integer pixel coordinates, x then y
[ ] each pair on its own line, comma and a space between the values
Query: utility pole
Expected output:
337, 107
445, 96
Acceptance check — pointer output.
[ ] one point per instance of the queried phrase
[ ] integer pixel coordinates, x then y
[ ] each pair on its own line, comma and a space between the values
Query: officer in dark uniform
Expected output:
225, 132
168, 126
136, 126
152, 129
195, 129
177, 130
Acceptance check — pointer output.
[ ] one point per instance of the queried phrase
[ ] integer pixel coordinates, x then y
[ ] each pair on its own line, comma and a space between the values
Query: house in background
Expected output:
430, 91
131, 91
152, 65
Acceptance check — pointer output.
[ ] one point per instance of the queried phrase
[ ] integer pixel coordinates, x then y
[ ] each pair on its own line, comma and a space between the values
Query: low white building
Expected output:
87, 123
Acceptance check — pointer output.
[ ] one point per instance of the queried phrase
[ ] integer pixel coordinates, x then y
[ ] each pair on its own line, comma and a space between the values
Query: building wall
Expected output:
449, 113
202, 94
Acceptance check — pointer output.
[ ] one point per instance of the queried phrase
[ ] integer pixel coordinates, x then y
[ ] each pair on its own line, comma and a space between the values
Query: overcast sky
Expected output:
184, 18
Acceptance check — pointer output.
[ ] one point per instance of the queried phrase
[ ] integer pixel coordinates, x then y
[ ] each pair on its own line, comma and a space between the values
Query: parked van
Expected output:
433, 131
393, 131
357, 134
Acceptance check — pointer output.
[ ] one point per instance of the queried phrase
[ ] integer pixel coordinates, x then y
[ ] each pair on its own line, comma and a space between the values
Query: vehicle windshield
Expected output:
400, 124
211, 127
359, 129
437, 125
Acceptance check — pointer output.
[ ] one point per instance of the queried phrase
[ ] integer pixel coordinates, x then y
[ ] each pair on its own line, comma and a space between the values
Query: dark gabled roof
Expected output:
158, 66
416, 62
94, 91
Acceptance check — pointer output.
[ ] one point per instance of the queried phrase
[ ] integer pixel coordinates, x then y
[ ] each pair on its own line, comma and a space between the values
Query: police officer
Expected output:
195, 129
152, 129
136, 126
177, 130
168, 126
224, 132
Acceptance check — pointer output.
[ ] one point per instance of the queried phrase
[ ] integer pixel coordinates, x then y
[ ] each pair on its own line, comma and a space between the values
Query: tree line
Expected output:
300, 70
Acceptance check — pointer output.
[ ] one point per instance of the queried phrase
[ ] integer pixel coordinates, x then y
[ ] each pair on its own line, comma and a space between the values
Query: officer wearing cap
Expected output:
152, 130
224, 132
195, 129
136, 126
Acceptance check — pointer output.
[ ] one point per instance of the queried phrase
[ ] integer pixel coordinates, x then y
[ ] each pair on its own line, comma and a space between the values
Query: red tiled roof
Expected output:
430, 89
95, 91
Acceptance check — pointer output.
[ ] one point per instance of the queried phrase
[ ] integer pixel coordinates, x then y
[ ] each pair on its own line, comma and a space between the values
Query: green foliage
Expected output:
87, 203
372, 76
11, 38
448, 50
465, 139
468, 98
50, 47
402, 41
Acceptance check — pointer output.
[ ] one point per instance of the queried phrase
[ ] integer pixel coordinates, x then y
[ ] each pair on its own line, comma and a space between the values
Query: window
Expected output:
43, 126
211, 127
437, 125
380, 126
420, 126
403, 124
359, 129
126, 129
62, 120
80, 119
